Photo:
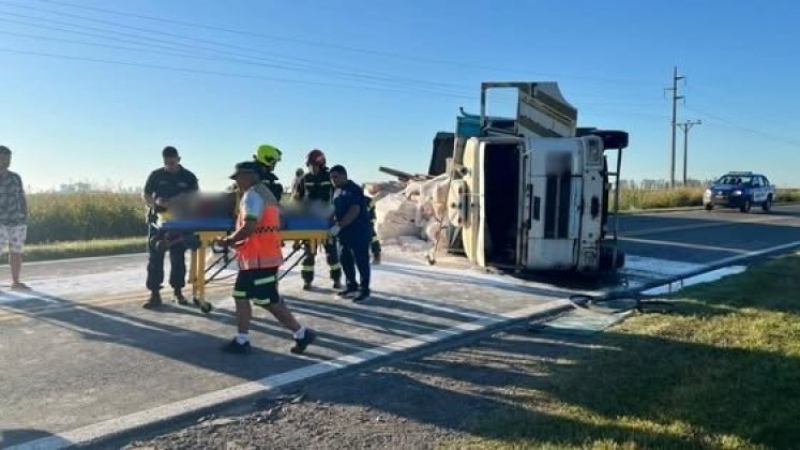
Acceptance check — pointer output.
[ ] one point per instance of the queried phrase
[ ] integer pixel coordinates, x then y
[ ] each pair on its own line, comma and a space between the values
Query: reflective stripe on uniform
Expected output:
335, 266
261, 301
375, 239
265, 280
306, 268
239, 294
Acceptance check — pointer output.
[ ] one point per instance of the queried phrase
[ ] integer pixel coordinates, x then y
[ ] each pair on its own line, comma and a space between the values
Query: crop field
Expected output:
105, 216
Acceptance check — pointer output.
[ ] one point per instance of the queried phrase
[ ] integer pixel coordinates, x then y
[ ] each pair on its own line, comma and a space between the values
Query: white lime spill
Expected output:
707, 277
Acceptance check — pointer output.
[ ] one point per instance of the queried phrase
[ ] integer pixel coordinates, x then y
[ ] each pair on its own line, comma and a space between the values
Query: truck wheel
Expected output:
767, 205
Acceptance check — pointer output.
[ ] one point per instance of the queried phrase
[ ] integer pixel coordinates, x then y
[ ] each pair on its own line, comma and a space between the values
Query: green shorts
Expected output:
258, 285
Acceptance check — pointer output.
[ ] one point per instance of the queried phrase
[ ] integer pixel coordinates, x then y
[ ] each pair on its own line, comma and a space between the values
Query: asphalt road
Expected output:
80, 350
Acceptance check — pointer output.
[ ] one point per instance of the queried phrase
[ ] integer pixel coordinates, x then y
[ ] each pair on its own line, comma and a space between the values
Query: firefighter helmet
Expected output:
315, 158
267, 155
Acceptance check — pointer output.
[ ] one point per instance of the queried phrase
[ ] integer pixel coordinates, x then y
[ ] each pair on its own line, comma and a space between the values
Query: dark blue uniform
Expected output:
162, 183
355, 237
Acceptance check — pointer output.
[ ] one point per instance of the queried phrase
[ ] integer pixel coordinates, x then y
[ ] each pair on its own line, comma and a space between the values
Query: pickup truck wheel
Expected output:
767, 205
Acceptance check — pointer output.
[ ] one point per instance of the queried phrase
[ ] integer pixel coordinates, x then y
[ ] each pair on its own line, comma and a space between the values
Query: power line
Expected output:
168, 53
314, 65
786, 140
463, 64
211, 72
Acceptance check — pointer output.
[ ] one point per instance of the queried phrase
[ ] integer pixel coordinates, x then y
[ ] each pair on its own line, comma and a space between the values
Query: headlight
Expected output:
708, 192
737, 192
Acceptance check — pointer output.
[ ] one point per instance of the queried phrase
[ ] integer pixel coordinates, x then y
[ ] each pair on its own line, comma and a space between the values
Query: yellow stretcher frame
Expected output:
197, 267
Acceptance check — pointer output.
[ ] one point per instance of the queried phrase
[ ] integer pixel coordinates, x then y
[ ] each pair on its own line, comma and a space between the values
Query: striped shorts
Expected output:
258, 285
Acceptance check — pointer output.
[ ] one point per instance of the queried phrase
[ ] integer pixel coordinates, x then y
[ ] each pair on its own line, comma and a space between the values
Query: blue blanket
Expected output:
226, 224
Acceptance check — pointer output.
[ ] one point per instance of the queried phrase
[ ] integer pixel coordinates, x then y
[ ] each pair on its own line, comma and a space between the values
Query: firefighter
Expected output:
268, 156
375, 245
316, 188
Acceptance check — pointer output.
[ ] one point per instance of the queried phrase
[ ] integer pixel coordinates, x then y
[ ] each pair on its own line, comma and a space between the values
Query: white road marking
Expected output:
768, 219
89, 433
684, 245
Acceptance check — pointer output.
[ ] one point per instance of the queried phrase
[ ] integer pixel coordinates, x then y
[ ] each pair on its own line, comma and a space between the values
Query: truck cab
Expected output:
533, 194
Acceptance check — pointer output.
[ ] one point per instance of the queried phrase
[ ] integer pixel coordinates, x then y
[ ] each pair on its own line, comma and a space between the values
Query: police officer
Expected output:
162, 185
316, 187
268, 156
353, 229
375, 245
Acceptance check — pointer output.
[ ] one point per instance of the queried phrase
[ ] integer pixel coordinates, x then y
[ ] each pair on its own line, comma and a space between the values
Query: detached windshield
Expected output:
735, 180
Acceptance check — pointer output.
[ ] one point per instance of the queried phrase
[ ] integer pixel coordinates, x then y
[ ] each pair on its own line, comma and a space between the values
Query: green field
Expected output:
82, 224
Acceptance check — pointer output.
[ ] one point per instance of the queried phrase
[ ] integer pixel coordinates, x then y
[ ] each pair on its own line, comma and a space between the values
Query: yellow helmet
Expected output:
268, 155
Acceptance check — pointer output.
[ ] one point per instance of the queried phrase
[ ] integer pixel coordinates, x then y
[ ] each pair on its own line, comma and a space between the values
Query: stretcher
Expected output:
200, 234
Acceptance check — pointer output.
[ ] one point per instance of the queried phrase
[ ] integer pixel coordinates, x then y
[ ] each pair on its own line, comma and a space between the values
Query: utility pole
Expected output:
686, 126
675, 98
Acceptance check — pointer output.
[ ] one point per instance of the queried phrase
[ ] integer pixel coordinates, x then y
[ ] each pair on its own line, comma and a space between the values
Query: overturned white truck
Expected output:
530, 193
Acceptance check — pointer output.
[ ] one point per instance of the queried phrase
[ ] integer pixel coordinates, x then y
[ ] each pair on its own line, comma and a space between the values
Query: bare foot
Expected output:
20, 287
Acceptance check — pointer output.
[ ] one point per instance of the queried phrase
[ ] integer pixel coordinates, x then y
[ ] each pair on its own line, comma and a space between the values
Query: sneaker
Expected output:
301, 344
154, 301
363, 295
235, 347
180, 298
337, 284
349, 292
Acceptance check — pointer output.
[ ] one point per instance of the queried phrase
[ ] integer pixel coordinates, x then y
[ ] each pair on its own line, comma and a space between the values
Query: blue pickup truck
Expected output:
740, 190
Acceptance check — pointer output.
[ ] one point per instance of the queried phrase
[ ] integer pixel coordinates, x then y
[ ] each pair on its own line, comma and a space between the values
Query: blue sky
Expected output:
371, 83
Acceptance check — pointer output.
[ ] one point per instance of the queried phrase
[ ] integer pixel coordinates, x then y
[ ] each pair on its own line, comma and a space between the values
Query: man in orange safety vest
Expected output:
259, 254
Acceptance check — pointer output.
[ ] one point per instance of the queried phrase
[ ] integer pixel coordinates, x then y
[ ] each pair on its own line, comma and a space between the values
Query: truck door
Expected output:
471, 175
495, 189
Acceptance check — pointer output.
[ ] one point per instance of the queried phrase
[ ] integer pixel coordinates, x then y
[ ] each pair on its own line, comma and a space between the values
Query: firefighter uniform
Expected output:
272, 182
375, 245
318, 188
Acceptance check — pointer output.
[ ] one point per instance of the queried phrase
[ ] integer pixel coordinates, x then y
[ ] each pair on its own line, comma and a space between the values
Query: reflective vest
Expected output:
263, 249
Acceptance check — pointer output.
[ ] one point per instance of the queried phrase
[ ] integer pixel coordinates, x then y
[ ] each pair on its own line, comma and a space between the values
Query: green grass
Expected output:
719, 370
633, 199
